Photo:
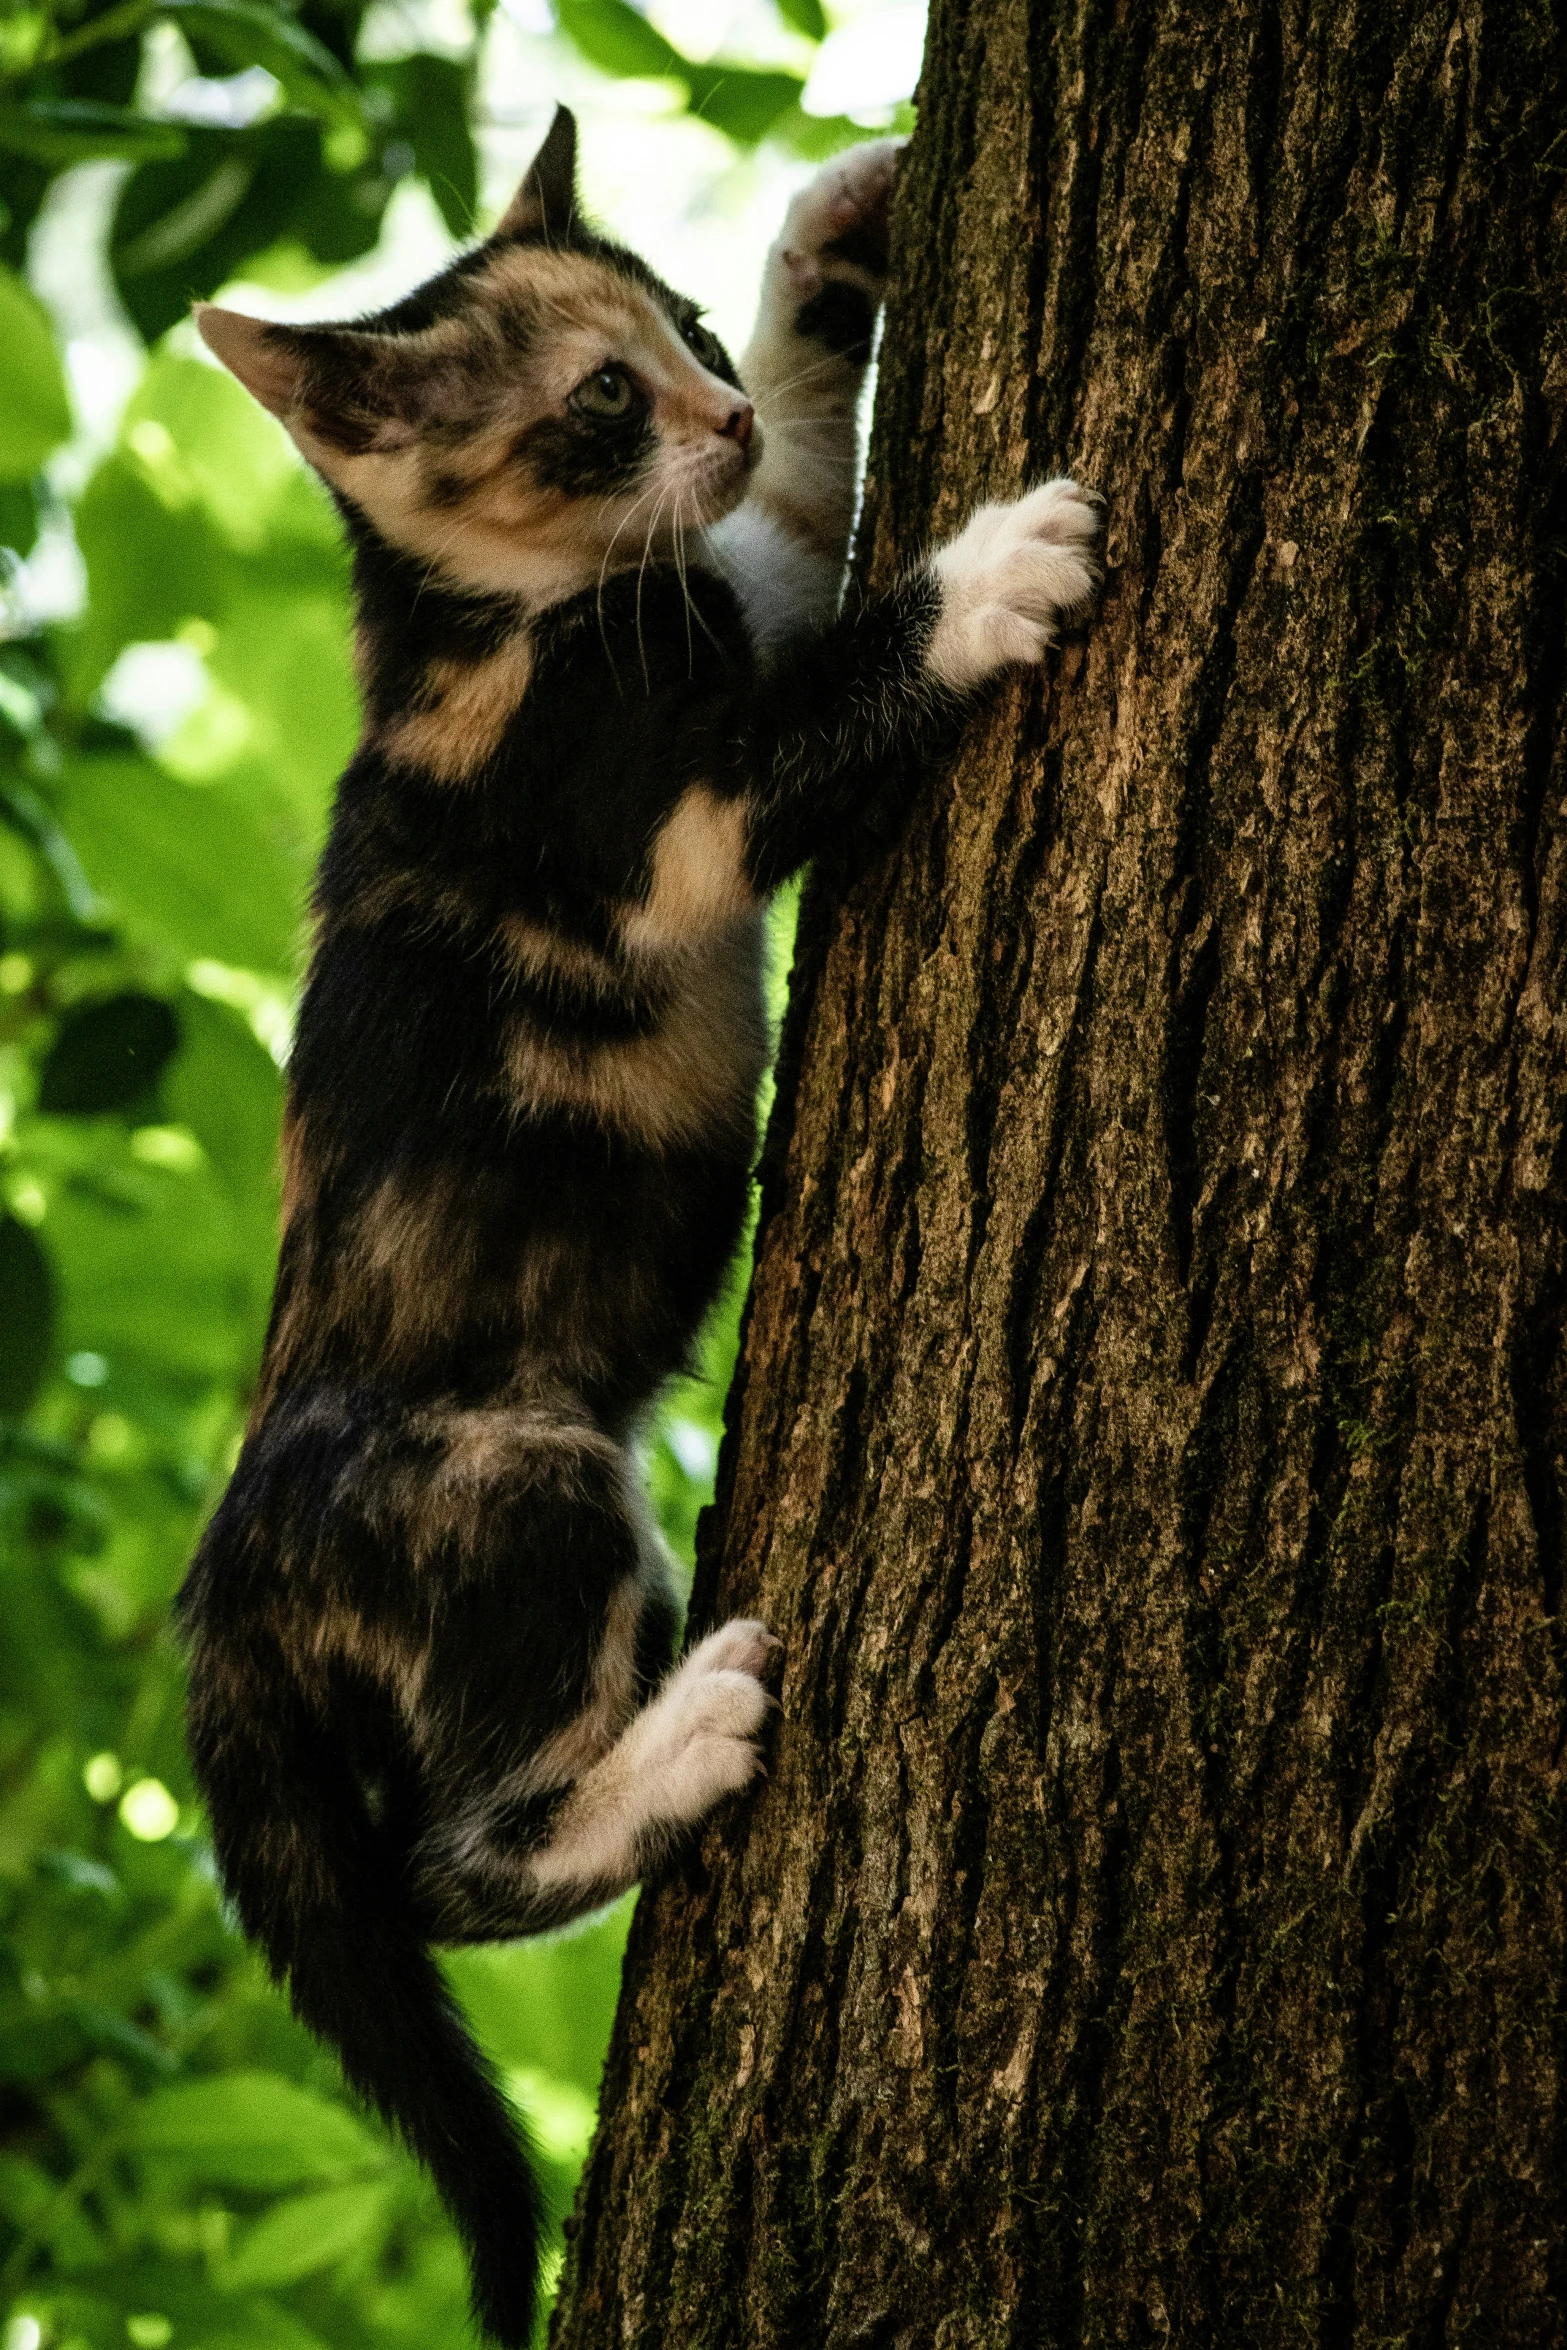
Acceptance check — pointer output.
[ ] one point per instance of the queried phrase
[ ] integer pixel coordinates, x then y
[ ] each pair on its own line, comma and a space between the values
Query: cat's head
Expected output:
543, 408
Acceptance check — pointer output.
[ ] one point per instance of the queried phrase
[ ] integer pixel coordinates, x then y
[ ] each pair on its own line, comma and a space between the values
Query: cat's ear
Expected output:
546, 202
263, 356
328, 382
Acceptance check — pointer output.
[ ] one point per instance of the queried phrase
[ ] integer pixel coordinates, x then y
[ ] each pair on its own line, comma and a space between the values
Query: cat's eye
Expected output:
703, 345
608, 395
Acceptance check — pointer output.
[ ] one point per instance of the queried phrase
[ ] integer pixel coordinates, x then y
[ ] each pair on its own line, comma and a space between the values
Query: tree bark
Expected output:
1149, 1433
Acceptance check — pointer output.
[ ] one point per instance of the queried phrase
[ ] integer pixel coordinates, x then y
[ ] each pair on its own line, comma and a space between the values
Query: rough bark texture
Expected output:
1149, 1435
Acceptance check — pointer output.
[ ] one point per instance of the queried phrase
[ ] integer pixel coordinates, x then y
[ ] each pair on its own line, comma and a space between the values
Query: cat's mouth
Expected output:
716, 479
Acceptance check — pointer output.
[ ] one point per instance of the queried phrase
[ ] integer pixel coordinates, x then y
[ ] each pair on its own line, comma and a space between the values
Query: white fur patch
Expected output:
784, 584
1008, 577
784, 551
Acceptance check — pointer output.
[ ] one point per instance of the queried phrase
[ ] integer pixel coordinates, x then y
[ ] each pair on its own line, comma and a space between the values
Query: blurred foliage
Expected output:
179, 2162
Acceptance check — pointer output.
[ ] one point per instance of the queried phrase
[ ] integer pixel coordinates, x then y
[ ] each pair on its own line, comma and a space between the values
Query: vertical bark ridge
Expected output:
1149, 1435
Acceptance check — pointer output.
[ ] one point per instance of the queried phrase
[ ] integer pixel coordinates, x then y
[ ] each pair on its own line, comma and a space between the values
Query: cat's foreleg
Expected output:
841, 725
785, 548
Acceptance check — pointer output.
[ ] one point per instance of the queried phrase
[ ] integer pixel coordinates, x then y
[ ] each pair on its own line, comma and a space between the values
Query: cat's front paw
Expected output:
1011, 575
826, 273
741, 1646
838, 223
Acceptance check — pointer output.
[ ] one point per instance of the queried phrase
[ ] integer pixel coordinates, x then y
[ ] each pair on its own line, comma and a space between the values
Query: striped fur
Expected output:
608, 708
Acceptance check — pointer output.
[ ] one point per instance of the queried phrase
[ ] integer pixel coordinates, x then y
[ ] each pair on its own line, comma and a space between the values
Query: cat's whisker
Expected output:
800, 425
647, 548
802, 375
693, 610
627, 519
680, 574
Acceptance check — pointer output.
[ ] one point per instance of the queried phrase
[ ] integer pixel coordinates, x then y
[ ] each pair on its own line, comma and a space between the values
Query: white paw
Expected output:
740, 1646
704, 1743
1008, 577
848, 201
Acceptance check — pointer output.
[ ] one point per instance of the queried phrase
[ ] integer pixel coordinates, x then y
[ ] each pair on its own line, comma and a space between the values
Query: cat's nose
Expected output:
738, 425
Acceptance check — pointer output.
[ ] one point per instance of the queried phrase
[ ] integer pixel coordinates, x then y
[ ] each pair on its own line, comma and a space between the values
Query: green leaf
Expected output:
108, 1055
153, 560
429, 110
182, 226
742, 100
287, 660
27, 1315
25, 812
743, 103
213, 871
102, 2028
30, 2197
18, 517
81, 1874
64, 131
559, 2119
308, 2233
140, 2287
547, 2006
214, 451
560, 2116
815, 137
35, 413
806, 17
243, 34
229, 1093
153, 1279
249, 2129
614, 37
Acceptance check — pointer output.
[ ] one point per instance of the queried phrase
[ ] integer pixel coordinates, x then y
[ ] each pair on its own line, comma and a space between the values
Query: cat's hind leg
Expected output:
557, 1757
693, 1744
524, 1852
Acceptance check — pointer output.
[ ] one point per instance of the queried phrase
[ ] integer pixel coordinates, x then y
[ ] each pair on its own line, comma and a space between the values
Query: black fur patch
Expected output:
444, 296
862, 247
405, 621
585, 459
841, 316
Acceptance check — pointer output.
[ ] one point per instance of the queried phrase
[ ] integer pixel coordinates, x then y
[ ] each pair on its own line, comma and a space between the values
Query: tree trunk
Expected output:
1149, 1433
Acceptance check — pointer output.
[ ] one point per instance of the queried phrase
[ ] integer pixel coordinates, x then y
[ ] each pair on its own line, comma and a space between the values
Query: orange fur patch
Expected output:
697, 1072
699, 882
536, 952
469, 704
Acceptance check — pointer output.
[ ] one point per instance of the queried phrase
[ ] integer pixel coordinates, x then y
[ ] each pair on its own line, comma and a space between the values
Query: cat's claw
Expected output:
1010, 576
741, 1646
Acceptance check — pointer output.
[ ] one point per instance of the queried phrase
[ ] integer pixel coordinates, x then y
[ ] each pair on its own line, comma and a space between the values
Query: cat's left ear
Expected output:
546, 203
331, 383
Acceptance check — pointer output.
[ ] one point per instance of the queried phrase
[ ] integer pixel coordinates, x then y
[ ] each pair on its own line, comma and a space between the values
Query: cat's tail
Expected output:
300, 1859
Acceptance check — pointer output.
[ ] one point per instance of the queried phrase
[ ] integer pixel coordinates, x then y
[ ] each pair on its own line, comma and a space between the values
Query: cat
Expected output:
609, 706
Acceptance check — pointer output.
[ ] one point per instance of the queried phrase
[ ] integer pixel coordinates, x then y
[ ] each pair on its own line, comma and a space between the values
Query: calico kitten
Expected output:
607, 708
